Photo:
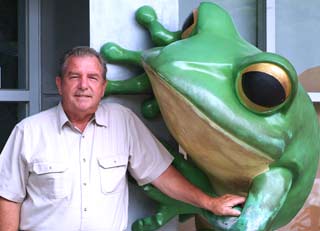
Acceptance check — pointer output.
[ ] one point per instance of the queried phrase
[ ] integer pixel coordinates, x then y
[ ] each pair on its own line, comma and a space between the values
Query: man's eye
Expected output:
93, 78
73, 76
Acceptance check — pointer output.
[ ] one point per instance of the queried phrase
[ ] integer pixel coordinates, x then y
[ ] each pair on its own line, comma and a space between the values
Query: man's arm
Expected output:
9, 215
172, 183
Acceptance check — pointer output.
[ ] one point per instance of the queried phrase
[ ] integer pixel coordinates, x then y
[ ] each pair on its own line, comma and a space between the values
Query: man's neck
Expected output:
80, 121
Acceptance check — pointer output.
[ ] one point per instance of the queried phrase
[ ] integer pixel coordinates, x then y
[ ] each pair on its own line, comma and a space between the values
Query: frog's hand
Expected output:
266, 197
168, 209
160, 36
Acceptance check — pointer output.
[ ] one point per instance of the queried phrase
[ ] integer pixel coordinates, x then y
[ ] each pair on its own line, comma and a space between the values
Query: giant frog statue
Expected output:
241, 115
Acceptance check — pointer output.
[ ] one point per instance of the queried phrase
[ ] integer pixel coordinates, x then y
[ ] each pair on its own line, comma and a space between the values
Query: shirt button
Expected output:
82, 136
85, 184
84, 160
85, 209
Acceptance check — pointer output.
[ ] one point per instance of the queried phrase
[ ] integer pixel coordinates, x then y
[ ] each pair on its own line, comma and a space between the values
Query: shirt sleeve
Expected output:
148, 157
13, 172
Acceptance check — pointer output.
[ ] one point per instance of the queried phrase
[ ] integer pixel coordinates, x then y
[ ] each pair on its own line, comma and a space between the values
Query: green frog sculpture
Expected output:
239, 113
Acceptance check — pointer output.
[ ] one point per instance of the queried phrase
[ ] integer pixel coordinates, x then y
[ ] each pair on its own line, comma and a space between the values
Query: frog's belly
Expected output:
230, 164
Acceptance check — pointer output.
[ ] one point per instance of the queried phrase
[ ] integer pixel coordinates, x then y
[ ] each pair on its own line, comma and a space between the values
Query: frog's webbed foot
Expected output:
146, 16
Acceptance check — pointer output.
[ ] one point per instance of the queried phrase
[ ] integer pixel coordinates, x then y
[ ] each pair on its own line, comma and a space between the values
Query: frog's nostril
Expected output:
263, 89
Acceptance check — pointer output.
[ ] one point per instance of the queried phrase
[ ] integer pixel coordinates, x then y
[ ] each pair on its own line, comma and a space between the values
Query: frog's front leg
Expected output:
146, 16
266, 197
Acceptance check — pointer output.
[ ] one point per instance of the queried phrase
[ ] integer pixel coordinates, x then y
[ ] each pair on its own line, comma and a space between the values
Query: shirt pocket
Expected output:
51, 179
112, 171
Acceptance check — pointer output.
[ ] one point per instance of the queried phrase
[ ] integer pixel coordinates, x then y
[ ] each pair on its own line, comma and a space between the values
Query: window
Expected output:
33, 36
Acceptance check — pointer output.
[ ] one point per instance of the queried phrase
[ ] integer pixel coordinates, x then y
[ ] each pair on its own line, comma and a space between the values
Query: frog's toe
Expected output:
111, 51
150, 108
145, 15
146, 224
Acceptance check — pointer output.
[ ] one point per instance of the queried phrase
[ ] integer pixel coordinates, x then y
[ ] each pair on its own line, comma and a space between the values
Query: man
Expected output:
65, 168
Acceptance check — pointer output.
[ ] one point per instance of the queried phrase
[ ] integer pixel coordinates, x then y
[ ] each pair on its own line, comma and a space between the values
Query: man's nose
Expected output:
83, 83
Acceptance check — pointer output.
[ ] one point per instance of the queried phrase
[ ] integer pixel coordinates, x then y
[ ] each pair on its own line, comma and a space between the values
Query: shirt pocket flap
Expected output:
45, 167
112, 161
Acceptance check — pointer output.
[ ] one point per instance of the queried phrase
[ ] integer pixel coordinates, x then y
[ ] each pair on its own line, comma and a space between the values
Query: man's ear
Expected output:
58, 84
105, 87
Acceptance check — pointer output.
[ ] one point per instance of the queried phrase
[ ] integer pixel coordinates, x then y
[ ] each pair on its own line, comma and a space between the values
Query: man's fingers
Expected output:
226, 203
236, 200
231, 212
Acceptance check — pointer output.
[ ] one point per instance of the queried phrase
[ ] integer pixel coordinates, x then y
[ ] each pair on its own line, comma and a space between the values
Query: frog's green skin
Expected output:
270, 155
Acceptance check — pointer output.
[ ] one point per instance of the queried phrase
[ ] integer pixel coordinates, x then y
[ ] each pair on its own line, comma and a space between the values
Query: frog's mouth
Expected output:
230, 163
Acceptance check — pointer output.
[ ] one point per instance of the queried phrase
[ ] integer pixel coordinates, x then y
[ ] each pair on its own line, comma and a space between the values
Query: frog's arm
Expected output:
160, 36
266, 197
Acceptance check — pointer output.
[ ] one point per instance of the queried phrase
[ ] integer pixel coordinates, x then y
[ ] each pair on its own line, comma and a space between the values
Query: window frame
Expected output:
270, 35
29, 59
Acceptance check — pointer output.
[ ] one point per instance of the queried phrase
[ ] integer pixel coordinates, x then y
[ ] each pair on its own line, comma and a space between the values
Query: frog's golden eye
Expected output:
263, 87
189, 24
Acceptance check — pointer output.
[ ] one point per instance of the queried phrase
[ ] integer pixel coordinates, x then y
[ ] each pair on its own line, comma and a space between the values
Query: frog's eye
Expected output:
189, 24
263, 87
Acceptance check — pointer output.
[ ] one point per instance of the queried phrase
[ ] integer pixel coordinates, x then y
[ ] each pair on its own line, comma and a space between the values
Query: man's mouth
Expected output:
83, 96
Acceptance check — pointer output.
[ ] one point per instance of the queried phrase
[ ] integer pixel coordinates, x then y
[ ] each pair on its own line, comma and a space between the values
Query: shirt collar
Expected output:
100, 117
62, 117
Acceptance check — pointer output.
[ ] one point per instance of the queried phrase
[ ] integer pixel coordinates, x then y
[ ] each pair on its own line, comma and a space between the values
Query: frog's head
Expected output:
250, 96
265, 82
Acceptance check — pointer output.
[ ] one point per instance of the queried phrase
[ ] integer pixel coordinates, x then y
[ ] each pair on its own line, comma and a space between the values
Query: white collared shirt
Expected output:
67, 180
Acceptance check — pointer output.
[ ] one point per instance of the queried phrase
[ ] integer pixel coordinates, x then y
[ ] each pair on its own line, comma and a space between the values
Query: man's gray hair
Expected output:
81, 51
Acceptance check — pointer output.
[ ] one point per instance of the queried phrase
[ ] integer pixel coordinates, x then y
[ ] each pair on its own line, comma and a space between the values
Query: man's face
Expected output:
81, 86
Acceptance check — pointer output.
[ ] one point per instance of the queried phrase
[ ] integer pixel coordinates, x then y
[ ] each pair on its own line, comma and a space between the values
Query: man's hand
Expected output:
172, 183
223, 205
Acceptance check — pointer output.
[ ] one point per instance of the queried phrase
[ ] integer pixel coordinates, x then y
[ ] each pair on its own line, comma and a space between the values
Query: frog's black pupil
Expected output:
263, 89
188, 22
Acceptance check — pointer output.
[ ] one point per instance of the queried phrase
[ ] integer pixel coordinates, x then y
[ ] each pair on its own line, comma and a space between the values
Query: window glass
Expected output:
9, 40
9, 116
297, 32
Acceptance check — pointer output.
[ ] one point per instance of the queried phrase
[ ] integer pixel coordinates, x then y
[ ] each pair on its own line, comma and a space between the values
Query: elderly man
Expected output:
65, 168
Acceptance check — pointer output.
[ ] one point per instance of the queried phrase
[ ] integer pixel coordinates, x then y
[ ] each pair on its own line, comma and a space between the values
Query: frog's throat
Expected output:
230, 163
